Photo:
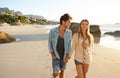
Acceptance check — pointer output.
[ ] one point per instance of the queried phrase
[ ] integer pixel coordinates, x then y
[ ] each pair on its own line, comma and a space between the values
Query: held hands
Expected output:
67, 58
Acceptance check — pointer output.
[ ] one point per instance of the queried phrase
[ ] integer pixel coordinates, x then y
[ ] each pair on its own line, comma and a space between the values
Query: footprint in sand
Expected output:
108, 59
93, 53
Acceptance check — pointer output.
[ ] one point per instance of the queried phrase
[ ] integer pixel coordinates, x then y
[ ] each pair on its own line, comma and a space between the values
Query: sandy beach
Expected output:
29, 57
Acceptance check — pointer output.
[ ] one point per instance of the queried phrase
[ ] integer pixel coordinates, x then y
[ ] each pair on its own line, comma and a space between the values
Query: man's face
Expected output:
67, 23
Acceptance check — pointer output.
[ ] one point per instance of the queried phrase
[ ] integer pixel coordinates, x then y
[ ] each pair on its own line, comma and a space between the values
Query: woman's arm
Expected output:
74, 41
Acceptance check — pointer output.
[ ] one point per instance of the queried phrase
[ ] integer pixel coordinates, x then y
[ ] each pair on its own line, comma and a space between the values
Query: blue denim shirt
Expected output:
53, 38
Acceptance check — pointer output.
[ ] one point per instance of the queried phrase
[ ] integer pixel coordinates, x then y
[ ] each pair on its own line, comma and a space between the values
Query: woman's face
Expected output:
84, 25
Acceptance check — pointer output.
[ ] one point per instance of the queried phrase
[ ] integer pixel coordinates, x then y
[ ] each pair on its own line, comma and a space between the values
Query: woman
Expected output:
82, 45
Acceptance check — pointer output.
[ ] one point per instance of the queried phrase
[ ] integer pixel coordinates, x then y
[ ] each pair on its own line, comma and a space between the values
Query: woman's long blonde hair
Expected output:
87, 32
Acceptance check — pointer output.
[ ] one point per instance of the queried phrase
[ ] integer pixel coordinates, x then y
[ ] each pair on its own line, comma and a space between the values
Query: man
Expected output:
59, 43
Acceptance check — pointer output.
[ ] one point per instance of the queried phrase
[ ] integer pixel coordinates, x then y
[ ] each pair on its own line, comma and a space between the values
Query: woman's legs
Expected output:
85, 69
79, 71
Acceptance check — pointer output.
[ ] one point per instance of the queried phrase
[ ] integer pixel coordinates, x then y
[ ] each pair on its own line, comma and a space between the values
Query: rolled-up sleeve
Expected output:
69, 44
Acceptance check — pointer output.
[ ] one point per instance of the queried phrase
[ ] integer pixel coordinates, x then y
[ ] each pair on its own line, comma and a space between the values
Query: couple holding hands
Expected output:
59, 43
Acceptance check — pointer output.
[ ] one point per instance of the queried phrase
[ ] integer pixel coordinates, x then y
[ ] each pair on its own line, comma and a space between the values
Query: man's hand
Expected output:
53, 55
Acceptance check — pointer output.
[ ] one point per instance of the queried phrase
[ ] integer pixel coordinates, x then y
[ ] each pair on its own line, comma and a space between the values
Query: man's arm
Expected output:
50, 45
69, 49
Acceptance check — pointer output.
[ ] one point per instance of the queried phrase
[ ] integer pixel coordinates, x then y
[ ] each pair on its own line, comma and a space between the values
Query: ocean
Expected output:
105, 40
109, 41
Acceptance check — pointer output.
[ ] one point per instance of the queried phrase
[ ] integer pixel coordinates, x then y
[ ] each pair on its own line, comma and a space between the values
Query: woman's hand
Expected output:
85, 45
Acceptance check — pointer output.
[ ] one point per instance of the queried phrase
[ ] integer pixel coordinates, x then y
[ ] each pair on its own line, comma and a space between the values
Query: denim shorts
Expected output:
77, 62
58, 65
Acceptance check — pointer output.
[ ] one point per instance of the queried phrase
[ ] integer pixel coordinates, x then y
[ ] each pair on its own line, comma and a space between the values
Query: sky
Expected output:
96, 11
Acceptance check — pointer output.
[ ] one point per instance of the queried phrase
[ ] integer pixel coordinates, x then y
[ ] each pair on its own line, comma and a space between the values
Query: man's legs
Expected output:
55, 75
61, 75
62, 68
58, 65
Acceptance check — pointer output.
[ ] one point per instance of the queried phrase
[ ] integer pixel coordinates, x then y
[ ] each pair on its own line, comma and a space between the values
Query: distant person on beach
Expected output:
59, 43
82, 45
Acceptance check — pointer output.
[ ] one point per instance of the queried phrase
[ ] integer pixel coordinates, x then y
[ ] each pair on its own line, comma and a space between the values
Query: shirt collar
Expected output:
57, 29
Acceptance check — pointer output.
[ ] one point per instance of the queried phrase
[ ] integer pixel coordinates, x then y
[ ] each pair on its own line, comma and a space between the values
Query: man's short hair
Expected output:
65, 17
